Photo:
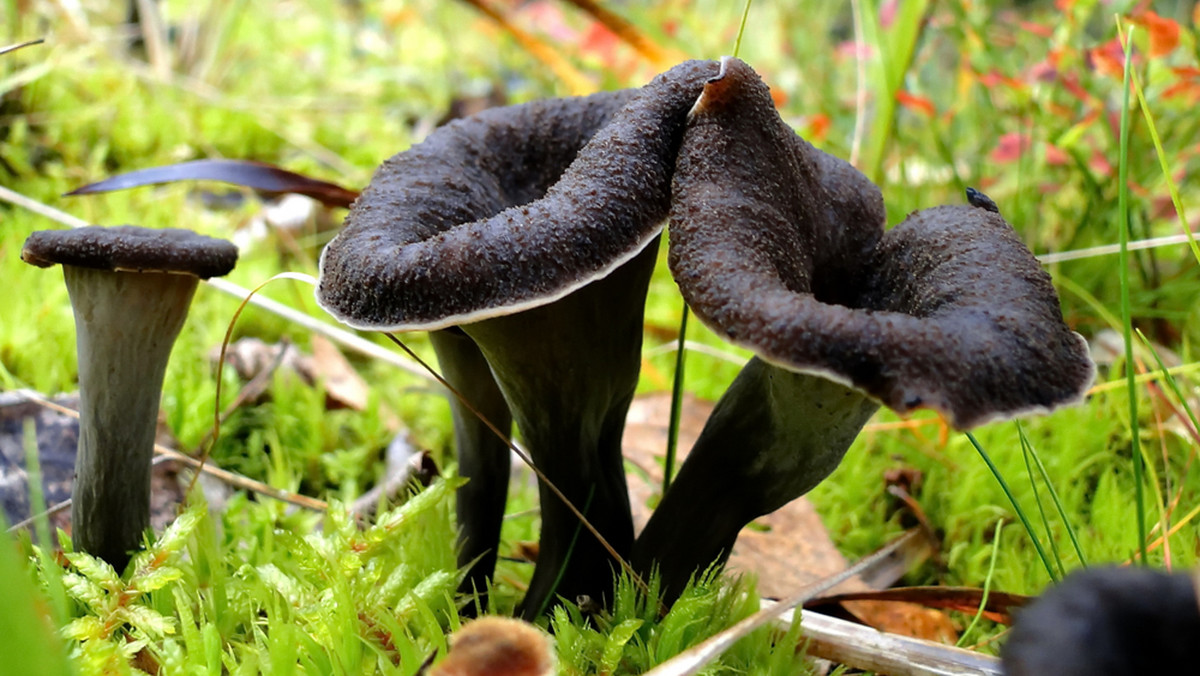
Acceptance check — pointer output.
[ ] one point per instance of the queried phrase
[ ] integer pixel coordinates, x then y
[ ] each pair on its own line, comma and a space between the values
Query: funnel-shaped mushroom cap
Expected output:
781, 254
132, 248
503, 211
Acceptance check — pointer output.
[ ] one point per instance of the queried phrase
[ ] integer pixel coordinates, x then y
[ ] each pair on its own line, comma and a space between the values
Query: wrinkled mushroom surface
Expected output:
132, 248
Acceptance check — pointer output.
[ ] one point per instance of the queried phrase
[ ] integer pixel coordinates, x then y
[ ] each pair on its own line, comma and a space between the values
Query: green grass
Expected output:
332, 89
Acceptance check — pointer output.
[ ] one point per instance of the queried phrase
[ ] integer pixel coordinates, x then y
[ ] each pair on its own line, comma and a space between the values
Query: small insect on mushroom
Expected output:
977, 199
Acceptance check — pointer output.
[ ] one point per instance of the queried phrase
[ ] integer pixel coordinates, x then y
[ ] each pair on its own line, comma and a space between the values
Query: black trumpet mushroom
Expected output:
130, 290
1108, 622
530, 231
781, 249
525, 237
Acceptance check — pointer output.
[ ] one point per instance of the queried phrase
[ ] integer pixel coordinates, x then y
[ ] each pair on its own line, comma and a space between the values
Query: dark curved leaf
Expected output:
257, 175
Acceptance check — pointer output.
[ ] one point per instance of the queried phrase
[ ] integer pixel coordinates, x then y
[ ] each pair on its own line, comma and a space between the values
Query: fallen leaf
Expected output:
254, 360
19, 45
1108, 59
344, 388
1000, 605
787, 549
256, 175
915, 103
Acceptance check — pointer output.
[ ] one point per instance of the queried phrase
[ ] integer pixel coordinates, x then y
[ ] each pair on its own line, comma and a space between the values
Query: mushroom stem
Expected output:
569, 371
773, 436
483, 458
125, 326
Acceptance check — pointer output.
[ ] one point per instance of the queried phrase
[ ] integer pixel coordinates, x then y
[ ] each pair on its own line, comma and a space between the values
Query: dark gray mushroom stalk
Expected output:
531, 229
781, 249
130, 290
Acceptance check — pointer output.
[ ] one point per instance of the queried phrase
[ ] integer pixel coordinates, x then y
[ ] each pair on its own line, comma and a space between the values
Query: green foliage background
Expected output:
1013, 98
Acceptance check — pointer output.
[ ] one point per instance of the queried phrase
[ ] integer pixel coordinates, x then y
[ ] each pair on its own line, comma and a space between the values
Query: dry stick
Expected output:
662, 58
338, 335
521, 453
1110, 249
19, 45
869, 649
541, 50
841, 640
228, 477
365, 504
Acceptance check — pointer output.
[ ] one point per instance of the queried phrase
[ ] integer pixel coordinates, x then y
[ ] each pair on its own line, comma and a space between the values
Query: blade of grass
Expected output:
737, 45
894, 50
1173, 189
1062, 512
1126, 310
41, 524
680, 352
987, 585
1037, 497
1167, 376
676, 402
1012, 499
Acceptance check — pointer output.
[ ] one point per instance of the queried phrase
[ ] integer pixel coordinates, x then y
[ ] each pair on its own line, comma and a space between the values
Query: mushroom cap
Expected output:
772, 249
497, 646
132, 248
510, 209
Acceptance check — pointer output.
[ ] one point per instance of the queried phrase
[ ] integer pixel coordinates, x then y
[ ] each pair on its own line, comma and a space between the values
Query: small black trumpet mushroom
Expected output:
781, 249
130, 290
533, 229
1108, 622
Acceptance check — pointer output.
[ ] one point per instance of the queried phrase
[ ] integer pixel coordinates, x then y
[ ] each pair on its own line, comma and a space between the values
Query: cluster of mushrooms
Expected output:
523, 239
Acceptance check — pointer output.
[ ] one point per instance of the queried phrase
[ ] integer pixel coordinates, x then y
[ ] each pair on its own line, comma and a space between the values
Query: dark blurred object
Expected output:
1108, 621
57, 436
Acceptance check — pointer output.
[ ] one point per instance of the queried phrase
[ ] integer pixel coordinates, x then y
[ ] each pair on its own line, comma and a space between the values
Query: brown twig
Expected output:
228, 477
